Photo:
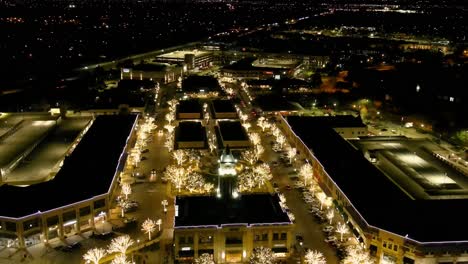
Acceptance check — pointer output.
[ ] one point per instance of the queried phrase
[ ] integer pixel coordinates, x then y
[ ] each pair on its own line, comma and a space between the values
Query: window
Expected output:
181, 240
190, 239
51, 221
85, 211
384, 244
284, 236
99, 203
264, 237
275, 236
395, 247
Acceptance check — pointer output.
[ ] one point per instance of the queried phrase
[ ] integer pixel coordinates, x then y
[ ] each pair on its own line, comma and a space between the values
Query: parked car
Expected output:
328, 229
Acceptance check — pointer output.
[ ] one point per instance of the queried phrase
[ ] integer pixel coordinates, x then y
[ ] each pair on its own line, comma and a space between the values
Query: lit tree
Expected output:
322, 197
291, 216
148, 227
180, 156
164, 203
246, 181
123, 204
306, 172
281, 140
169, 144
356, 255
172, 103
126, 190
282, 199
262, 173
170, 117
159, 222
247, 126
262, 123
250, 157
259, 149
262, 255
342, 229
205, 258
94, 255
120, 259
255, 138
275, 130
120, 244
195, 183
330, 215
211, 145
177, 175
170, 129
243, 117
314, 257
291, 154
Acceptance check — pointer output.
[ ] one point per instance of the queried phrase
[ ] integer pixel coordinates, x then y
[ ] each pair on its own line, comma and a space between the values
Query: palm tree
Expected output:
148, 227
262, 255
94, 255
314, 257
342, 229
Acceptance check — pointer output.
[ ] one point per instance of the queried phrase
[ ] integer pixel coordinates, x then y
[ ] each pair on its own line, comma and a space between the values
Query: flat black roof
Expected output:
336, 121
247, 209
376, 198
195, 83
189, 106
86, 173
190, 131
223, 106
232, 130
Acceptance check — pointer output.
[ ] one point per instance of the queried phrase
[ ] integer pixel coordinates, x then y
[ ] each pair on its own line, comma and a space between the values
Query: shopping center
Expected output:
78, 196
384, 216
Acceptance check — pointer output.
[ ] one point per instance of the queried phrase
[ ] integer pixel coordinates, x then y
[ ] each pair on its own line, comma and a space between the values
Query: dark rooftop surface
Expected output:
195, 83
223, 106
190, 131
248, 209
246, 65
150, 67
87, 172
189, 106
336, 121
376, 198
232, 130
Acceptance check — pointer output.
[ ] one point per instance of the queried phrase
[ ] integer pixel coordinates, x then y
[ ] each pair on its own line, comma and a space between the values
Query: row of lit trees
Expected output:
184, 175
120, 245
170, 127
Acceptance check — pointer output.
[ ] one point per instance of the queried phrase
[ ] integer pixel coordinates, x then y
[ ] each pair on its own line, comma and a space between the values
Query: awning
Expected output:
205, 251
280, 250
186, 253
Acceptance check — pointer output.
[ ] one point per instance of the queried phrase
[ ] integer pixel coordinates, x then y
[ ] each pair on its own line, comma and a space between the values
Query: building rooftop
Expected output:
190, 131
232, 130
196, 211
337, 121
21, 137
180, 54
86, 173
195, 83
189, 106
223, 106
380, 202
